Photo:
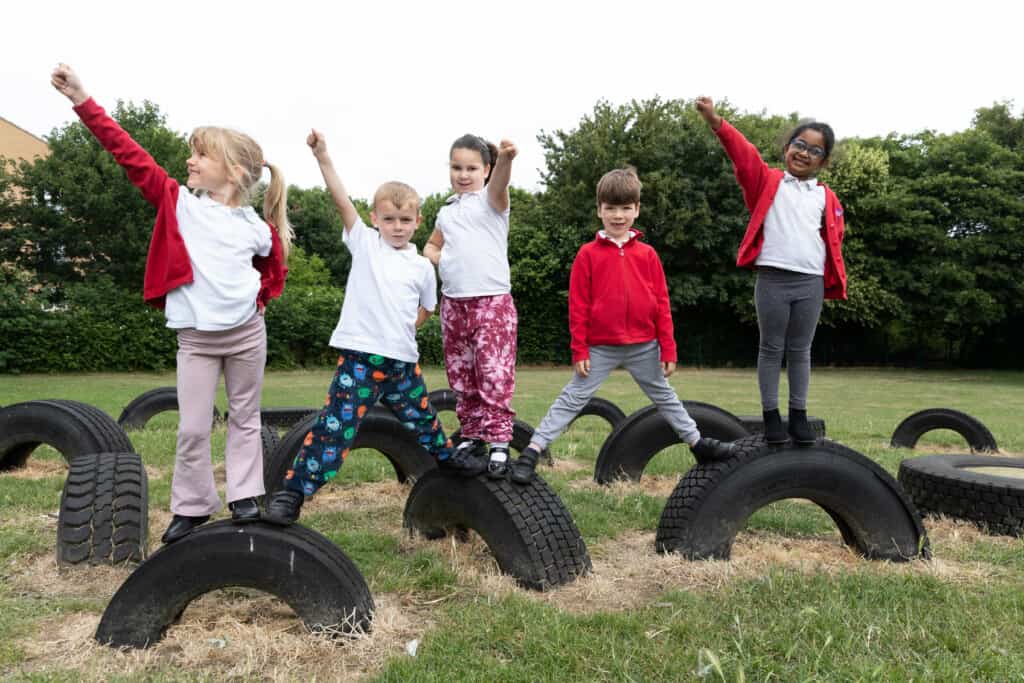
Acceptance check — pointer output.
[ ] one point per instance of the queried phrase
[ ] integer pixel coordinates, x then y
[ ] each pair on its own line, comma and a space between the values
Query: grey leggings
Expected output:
788, 307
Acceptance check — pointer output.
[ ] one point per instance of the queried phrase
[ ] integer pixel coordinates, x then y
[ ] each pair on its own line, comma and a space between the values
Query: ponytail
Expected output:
275, 209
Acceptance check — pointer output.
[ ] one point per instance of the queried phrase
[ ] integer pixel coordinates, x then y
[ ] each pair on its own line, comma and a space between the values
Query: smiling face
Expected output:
805, 154
396, 224
207, 172
617, 219
467, 170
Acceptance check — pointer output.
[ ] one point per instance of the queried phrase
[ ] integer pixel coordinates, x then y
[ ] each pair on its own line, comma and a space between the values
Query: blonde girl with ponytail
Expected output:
213, 264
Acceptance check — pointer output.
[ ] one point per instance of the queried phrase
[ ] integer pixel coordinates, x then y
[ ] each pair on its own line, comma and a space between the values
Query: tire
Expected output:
283, 419
977, 435
527, 528
945, 485
628, 449
444, 400
299, 566
713, 501
149, 404
70, 427
103, 515
754, 424
385, 434
604, 409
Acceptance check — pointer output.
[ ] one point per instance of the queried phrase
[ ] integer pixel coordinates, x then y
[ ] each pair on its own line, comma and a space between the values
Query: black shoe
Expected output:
710, 450
244, 510
497, 464
181, 526
283, 507
524, 466
801, 432
774, 433
465, 460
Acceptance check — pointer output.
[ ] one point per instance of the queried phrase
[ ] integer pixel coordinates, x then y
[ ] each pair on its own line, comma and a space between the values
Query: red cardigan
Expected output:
618, 296
168, 265
760, 182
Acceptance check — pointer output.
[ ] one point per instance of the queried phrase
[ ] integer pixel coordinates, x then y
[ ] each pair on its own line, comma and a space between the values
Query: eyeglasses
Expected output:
813, 150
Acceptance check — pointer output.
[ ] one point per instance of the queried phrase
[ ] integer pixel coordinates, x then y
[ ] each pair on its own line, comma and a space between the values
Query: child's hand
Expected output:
317, 143
706, 107
67, 82
668, 367
507, 150
583, 367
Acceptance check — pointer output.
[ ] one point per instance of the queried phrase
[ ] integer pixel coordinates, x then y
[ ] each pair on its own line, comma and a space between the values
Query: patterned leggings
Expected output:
360, 380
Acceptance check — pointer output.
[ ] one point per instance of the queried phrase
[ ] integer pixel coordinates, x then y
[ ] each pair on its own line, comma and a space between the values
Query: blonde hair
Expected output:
238, 151
397, 193
621, 186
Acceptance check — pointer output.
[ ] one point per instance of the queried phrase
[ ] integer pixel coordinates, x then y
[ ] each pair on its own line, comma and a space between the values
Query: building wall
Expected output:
16, 143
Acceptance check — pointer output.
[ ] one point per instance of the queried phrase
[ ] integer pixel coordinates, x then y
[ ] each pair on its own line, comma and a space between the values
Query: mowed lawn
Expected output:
793, 604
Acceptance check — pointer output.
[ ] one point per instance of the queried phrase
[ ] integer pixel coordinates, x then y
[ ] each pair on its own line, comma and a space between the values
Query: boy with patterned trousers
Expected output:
391, 290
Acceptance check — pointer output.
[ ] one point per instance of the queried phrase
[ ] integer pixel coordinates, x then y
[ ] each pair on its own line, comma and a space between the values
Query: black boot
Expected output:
466, 460
774, 433
244, 510
524, 466
283, 508
710, 450
799, 429
181, 526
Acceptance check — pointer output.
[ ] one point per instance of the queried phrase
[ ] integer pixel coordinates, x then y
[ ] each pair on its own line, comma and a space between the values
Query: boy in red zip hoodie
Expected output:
619, 315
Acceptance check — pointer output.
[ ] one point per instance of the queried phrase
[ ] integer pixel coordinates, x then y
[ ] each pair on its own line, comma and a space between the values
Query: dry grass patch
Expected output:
657, 486
39, 468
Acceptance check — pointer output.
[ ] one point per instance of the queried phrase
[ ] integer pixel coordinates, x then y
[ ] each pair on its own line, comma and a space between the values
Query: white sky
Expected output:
392, 83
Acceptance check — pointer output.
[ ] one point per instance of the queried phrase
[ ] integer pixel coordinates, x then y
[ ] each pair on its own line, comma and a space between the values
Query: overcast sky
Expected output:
392, 83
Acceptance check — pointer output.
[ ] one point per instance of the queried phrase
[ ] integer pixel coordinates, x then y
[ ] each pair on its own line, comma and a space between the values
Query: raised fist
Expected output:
507, 150
317, 142
67, 83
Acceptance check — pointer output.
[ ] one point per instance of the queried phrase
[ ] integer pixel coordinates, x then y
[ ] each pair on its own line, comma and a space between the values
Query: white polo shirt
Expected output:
385, 288
792, 227
474, 259
221, 241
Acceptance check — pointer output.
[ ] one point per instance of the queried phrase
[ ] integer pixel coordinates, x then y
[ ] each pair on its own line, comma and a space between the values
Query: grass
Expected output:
792, 604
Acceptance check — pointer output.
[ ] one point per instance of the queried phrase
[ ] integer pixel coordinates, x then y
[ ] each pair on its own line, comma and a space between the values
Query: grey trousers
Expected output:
643, 361
788, 307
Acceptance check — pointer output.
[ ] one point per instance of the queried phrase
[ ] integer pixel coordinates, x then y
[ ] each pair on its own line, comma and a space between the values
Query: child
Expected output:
794, 240
213, 264
478, 318
390, 292
618, 315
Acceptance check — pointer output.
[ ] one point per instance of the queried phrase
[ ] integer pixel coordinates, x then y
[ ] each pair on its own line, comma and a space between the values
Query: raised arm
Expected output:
432, 249
142, 169
318, 144
750, 168
501, 174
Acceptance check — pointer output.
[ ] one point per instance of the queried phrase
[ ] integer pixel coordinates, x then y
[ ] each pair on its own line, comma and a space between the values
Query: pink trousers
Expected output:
480, 357
241, 353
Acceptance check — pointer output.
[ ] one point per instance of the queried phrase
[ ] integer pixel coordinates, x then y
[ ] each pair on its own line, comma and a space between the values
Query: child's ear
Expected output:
373, 217
638, 208
419, 219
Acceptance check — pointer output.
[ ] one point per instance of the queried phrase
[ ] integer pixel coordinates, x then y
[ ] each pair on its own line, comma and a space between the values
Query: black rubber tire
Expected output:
385, 434
977, 435
283, 419
71, 427
103, 516
526, 527
755, 424
604, 409
939, 485
297, 565
147, 405
713, 501
628, 449
270, 441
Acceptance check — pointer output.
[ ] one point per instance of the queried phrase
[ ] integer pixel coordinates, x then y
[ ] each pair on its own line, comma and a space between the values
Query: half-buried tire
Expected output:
103, 510
604, 409
70, 427
527, 528
642, 435
297, 565
147, 405
384, 434
983, 489
977, 435
285, 418
713, 501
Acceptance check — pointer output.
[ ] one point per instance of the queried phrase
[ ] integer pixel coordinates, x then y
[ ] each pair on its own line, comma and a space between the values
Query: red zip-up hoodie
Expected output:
617, 296
168, 265
760, 182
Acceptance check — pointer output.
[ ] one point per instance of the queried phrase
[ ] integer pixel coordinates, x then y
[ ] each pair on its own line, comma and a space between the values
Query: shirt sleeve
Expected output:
264, 240
428, 287
358, 238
